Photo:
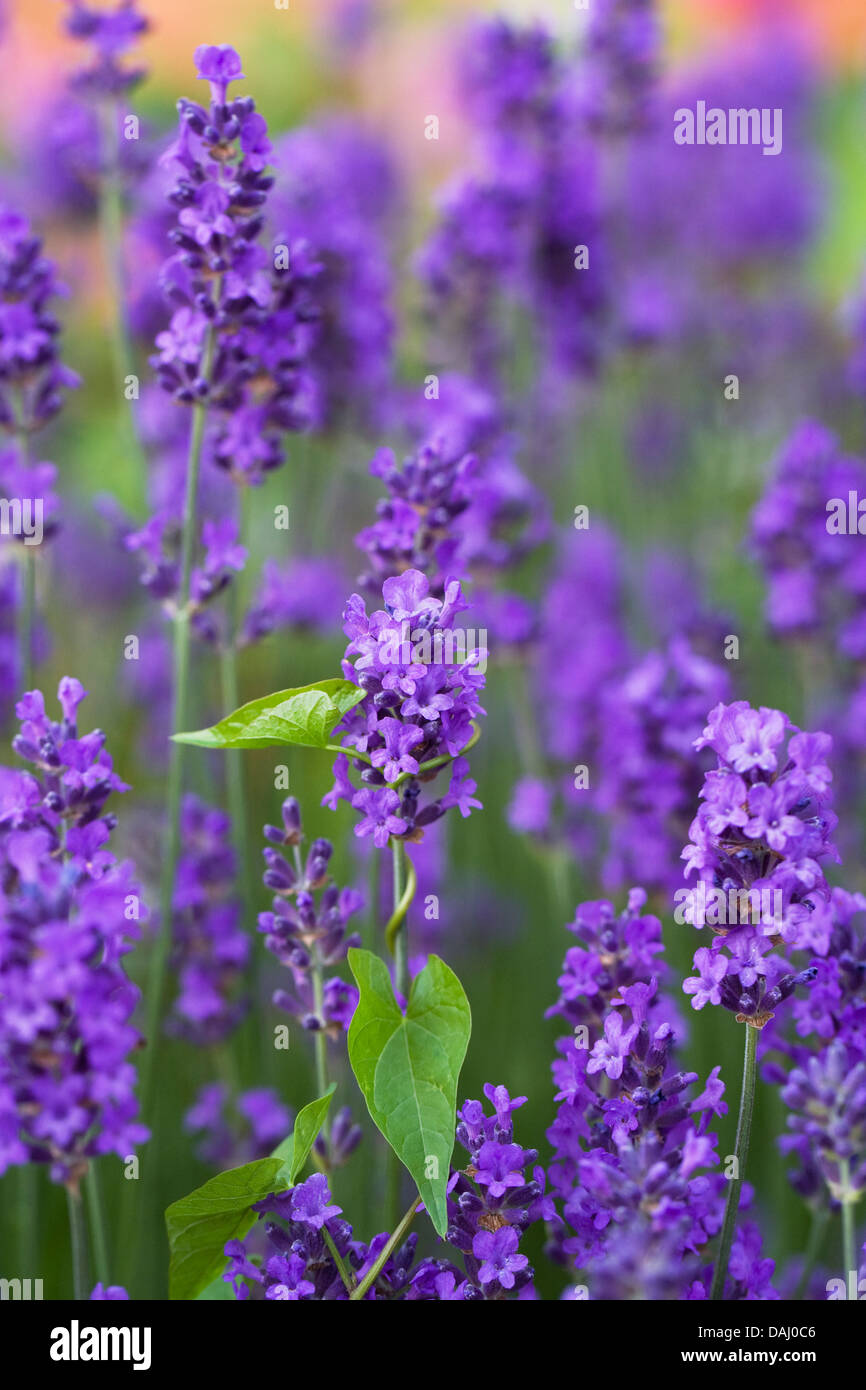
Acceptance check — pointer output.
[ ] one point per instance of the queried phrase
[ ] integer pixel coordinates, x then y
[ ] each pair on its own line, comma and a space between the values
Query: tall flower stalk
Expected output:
231, 352
756, 846
180, 709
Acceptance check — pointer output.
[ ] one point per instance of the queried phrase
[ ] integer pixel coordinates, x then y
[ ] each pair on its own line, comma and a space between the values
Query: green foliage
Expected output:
408, 1066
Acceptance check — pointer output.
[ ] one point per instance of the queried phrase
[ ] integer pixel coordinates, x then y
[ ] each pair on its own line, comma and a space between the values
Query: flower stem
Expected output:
159, 958
345, 1273
98, 1226
395, 938
320, 1036
78, 1240
741, 1151
387, 1251
235, 782
395, 933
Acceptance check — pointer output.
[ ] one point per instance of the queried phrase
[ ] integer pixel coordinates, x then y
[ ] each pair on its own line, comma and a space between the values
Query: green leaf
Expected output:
199, 1225
217, 1291
295, 1150
305, 717
408, 1067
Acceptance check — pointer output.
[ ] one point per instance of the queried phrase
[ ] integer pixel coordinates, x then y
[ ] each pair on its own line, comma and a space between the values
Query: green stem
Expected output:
387, 1250
395, 937
111, 232
320, 1036
162, 946
350, 752
235, 783
78, 1241
395, 932
849, 1245
345, 1273
98, 1225
741, 1151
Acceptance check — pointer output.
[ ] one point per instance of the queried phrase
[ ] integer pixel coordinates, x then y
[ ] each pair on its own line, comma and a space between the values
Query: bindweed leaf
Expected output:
295, 1150
305, 717
200, 1224
408, 1066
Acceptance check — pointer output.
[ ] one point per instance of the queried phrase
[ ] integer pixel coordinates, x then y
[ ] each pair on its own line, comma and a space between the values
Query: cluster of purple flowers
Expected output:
32, 376
623, 44
415, 524
815, 575
635, 1163
158, 542
491, 1203
459, 505
822, 1064
421, 684
243, 316
757, 845
70, 913
110, 33
307, 928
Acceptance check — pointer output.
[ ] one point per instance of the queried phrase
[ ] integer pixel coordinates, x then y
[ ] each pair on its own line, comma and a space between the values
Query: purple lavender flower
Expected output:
635, 1162
243, 315
70, 913
298, 1265
623, 43
307, 931
490, 1204
757, 843
32, 377
421, 701
110, 34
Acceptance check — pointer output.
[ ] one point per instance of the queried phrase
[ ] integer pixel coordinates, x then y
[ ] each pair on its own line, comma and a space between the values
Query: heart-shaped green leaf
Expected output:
199, 1225
295, 1149
306, 717
408, 1066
